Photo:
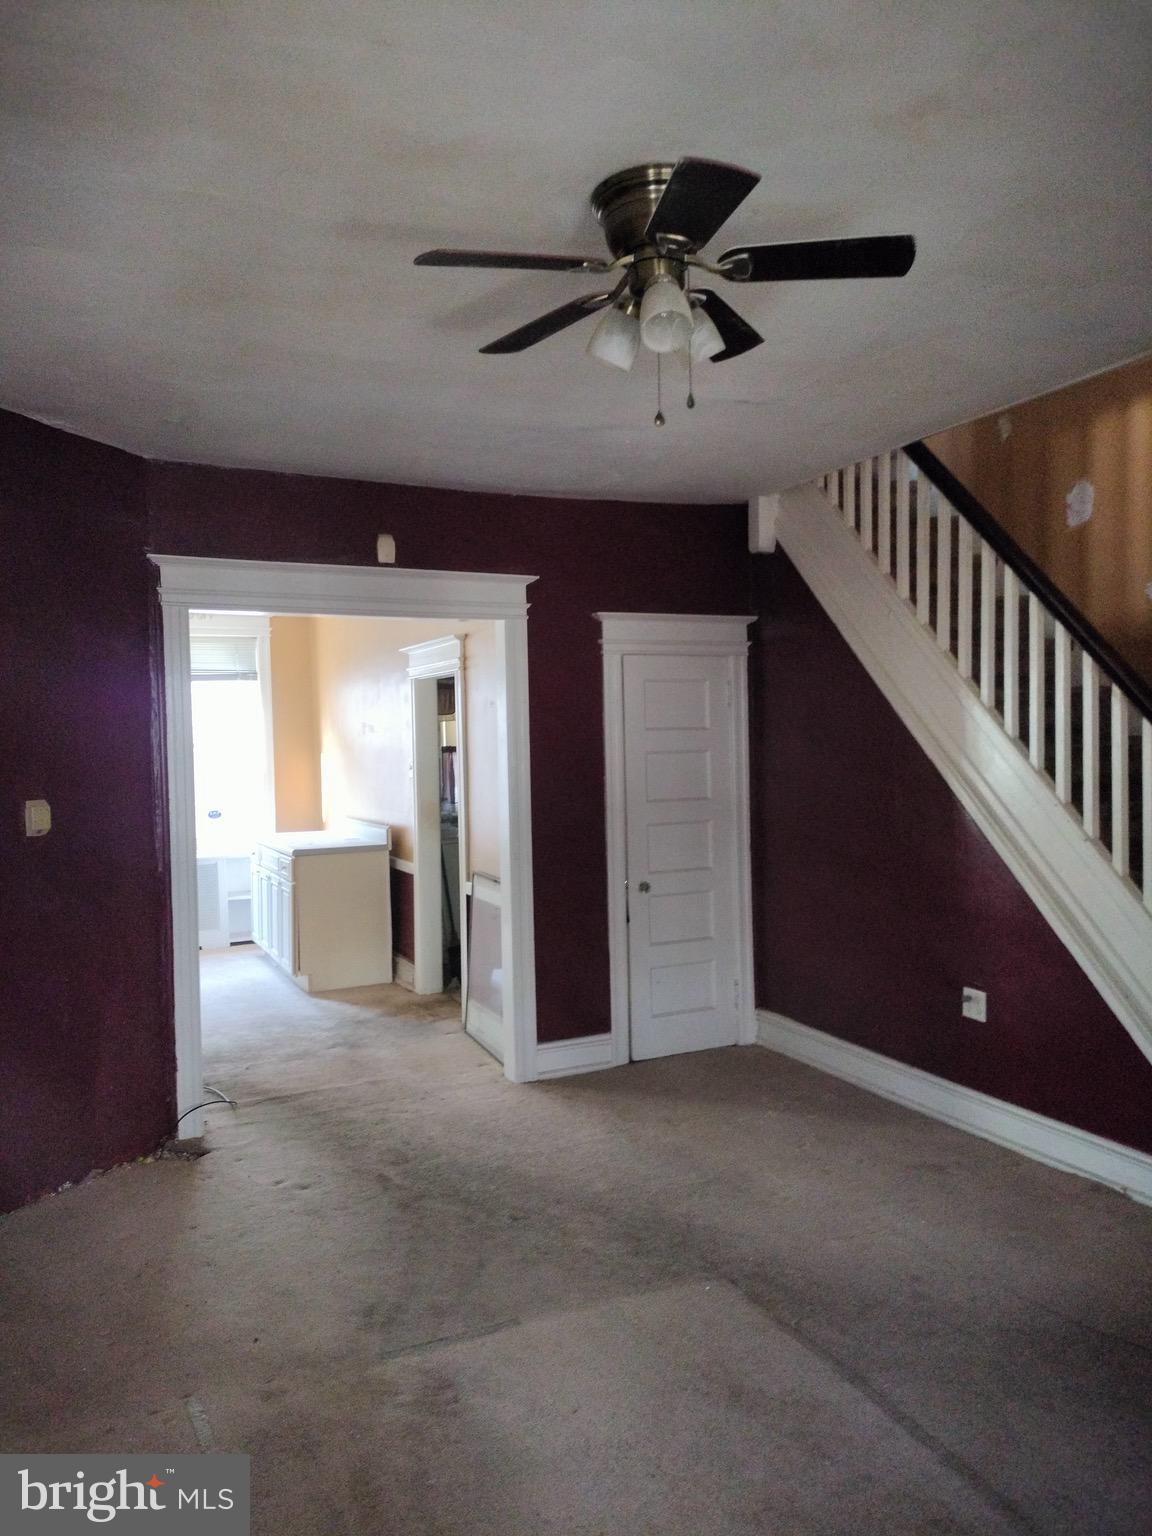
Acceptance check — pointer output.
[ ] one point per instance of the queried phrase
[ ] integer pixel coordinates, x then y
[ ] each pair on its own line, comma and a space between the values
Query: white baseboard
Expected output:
1098, 916
403, 972
486, 1028
560, 1058
1022, 1130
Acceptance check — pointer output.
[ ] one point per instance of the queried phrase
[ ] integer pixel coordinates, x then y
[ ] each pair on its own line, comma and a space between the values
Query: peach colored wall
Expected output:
295, 725
366, 730
1022, 463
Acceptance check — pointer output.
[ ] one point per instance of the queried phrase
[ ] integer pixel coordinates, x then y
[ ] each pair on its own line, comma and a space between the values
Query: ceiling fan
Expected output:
656, 220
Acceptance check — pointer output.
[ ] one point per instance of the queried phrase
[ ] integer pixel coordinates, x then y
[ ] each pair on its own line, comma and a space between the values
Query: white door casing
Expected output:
676, 729
257, 586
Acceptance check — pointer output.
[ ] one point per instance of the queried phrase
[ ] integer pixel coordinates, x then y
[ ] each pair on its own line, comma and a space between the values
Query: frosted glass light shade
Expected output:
616, 339
706, 339
665, 316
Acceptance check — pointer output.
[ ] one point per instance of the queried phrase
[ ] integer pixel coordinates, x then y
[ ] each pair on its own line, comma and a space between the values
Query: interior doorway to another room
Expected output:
323, 780
332, 787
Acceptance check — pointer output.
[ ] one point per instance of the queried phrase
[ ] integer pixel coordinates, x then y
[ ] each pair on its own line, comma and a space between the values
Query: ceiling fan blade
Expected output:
737, 335
518, 261
547, 325
871, 256
699, 197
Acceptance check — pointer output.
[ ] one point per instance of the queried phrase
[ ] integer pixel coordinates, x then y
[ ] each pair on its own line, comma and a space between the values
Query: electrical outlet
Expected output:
974, 1005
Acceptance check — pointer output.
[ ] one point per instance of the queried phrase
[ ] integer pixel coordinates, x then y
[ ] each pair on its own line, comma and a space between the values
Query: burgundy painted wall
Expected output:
86, 1050
403, 914
590, 556
878, 898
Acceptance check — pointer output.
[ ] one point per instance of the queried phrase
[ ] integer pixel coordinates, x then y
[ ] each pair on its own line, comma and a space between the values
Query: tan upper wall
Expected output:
295, 724
1023, 463
343, 731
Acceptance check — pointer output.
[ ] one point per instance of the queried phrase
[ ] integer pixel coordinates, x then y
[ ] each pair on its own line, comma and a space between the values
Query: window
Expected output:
229, 745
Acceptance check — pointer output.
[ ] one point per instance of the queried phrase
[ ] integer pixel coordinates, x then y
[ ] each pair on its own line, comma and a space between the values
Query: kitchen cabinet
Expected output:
321, 908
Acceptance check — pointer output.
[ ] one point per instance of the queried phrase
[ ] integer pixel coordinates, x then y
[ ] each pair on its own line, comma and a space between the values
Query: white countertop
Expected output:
296, 843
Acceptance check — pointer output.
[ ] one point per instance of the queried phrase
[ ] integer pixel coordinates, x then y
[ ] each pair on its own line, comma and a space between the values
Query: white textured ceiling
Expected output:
210, 210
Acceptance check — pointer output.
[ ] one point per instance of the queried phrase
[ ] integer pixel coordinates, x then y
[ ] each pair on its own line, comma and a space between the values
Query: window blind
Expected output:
216, 657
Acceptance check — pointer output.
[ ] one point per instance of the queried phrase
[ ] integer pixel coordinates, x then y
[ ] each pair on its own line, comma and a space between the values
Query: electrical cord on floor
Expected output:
221, 1098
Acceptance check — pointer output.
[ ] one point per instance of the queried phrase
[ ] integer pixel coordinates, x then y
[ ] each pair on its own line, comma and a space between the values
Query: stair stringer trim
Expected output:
1103, 924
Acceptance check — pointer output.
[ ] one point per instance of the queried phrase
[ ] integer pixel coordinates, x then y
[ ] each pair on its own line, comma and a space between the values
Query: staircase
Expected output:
1042, 730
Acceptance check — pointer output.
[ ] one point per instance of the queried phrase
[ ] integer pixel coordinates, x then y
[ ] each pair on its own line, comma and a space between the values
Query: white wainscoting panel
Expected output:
560, 1058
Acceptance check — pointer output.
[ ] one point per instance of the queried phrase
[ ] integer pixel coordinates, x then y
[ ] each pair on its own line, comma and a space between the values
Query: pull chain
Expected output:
691, 401
659, 402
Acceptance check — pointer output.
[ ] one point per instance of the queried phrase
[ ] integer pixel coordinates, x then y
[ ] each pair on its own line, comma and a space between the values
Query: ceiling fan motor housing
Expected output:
626, 201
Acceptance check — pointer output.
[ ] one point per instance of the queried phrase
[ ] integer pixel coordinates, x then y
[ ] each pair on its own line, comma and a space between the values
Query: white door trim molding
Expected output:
1089, 907
367, 591
435, 658
427, 662
265, 586
1022, 1130
662, 634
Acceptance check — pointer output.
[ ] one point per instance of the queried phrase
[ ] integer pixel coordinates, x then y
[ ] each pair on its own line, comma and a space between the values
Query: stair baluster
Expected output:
965, 591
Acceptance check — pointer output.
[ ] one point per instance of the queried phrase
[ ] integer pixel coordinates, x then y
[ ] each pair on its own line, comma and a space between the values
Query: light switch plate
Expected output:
974, 1005
37, 818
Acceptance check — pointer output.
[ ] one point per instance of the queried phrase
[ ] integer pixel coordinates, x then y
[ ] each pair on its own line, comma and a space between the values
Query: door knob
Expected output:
643, 886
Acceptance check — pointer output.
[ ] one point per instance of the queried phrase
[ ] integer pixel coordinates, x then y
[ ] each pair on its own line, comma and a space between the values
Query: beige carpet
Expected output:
713, 1294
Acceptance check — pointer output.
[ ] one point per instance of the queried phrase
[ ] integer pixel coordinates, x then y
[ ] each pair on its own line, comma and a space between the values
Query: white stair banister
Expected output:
1090, 746
850, 496
994, 722
1121, 790
925, 495
945, 519
1012, 653
884, 511
965, 542
903, 472
1037, 682
1062, 709
867, 496
988, 564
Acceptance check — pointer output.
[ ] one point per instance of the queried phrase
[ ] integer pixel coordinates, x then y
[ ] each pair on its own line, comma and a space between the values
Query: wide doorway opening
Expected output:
338, 772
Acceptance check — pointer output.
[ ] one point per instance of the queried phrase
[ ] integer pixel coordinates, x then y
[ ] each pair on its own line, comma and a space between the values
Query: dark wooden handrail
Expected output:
1109, 660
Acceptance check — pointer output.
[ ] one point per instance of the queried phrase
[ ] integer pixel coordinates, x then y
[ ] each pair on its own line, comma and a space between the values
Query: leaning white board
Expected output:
484, 1004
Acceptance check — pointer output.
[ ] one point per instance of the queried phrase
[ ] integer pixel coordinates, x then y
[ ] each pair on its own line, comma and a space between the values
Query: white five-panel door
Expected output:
680, 781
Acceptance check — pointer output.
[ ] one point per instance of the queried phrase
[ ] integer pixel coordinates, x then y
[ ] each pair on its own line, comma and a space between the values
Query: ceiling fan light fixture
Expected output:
706, 340
616, 339
665, 315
